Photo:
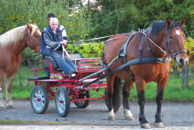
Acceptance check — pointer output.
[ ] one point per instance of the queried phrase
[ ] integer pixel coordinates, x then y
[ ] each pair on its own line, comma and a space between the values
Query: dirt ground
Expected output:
174, 115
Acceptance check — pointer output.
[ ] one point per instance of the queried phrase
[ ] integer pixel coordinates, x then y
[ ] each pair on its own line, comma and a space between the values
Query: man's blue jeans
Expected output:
65, 64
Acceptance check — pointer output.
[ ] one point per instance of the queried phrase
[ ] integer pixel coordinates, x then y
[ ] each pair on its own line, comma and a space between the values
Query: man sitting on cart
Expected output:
53, 38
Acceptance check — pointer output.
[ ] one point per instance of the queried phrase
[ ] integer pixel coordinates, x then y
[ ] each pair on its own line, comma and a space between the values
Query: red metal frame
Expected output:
86, 66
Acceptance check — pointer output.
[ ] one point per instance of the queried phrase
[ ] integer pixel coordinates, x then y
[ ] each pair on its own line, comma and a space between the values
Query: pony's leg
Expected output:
110, 83
9, 102
159, 99
2, 79
126, 92
140, 86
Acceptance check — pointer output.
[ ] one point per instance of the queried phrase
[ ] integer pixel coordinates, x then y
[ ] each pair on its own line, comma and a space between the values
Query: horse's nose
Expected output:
182, 62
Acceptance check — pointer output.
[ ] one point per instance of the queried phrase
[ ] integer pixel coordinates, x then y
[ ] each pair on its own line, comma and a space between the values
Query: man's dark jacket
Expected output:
47, 50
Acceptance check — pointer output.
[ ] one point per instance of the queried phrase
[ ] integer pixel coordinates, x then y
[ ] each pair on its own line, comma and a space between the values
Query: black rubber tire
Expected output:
84, 103
39, 99
62, 101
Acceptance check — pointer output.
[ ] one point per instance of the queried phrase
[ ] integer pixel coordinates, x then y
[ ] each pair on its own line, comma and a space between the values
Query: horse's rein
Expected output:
118, 37
167, 42
64, 51
154, 43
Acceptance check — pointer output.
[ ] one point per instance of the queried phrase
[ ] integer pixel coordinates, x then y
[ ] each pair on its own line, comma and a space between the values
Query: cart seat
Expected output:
47, 63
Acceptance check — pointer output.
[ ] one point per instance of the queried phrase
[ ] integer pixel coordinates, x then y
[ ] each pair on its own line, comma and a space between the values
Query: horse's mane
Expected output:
14, 35
157, 26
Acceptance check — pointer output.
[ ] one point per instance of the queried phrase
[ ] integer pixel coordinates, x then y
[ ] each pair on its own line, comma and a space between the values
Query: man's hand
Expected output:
64, 43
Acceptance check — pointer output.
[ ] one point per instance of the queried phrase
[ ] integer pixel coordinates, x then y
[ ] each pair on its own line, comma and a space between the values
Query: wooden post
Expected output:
183, 81
185, 76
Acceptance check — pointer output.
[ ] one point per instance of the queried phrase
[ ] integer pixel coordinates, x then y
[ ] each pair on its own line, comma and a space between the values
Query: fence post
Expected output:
185, 75
183, 80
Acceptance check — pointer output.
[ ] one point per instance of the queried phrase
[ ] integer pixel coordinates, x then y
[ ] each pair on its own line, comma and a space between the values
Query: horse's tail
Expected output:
117, 94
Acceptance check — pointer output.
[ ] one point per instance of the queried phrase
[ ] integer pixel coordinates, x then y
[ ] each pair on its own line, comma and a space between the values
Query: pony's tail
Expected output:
117, 94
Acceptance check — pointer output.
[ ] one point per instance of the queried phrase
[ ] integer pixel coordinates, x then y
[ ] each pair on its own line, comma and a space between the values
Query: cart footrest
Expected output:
38, 78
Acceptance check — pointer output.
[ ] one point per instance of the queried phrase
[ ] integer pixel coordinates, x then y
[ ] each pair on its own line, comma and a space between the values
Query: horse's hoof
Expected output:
9, 106
145, 126
159, 125
112, 118
128, 115
129, 118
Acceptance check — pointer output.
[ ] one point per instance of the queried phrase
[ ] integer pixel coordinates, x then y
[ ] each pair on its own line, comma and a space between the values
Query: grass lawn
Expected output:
173, 91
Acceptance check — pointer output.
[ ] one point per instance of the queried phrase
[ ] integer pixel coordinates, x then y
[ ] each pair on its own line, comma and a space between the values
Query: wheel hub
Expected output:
38, 99
60, 101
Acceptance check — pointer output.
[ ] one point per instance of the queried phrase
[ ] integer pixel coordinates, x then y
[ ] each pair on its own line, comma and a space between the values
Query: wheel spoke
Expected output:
42, 98
36, 94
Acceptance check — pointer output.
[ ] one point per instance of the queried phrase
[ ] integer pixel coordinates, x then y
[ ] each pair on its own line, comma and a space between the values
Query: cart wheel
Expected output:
39, 99
62, 101
84, 103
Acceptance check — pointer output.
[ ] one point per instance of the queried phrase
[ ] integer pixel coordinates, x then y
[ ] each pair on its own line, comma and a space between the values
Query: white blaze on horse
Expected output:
12, 43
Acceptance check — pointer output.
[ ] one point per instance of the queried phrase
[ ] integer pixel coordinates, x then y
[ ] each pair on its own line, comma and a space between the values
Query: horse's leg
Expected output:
9, 88
110, 83
140, 86
159, 99
126, 92
2, 79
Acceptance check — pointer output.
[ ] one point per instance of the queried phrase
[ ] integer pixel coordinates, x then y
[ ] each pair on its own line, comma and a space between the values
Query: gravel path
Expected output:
175, 116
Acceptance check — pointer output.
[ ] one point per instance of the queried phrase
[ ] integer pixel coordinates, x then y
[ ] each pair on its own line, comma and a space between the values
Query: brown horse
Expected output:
12, 43
148, 52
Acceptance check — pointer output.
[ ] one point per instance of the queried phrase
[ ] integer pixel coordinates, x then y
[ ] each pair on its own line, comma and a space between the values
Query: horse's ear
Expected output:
168, 22
29, 27
182, 22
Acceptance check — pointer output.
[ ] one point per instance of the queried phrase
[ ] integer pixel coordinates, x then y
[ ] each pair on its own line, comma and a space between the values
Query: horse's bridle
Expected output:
168, 44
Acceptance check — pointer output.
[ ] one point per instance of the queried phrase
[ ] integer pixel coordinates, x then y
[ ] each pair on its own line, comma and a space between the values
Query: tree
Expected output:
136, 14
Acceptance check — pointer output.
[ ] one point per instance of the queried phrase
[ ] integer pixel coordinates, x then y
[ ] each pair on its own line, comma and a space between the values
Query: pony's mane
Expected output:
157, 26
14, 35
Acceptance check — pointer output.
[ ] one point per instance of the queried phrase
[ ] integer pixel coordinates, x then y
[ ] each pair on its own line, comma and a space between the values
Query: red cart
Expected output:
68, 89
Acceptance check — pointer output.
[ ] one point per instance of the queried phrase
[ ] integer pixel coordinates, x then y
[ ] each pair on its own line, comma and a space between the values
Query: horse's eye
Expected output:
36, 36
170, 38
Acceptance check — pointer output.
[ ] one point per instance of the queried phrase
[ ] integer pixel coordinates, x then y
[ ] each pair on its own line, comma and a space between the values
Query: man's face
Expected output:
54, 25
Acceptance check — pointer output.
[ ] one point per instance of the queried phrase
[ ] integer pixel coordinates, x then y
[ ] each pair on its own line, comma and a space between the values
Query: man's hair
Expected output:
50, 15
54, 19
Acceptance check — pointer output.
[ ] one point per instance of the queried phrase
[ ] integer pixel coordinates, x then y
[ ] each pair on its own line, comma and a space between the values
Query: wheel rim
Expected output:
61, 103
38, 100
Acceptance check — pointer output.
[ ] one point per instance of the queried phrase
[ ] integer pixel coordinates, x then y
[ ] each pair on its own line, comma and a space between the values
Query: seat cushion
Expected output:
47, 63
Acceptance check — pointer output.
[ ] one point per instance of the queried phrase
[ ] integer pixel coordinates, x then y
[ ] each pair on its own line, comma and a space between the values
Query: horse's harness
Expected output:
125, 65
154, 60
